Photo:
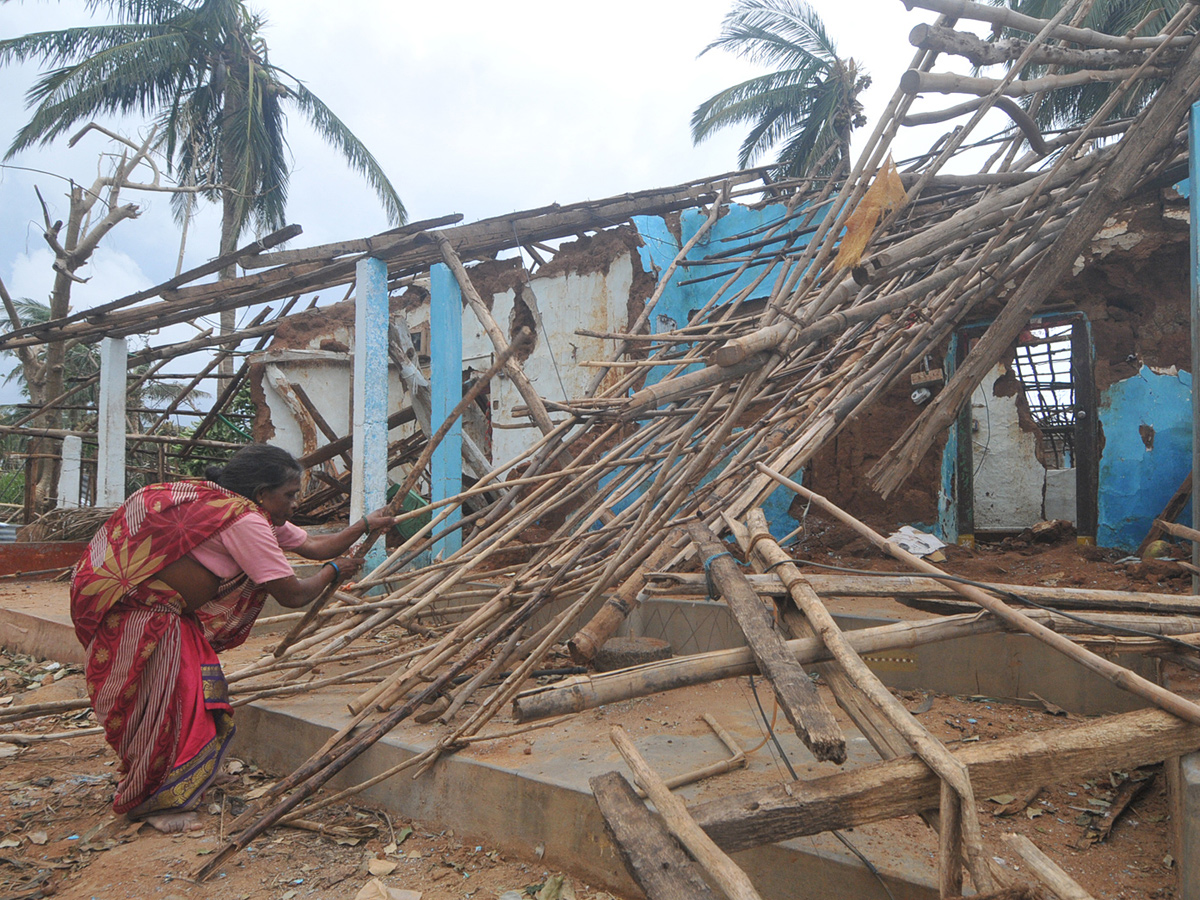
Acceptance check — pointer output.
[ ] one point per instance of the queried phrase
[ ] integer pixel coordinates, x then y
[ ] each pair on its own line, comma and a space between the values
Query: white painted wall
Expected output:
1013, 490
565, 303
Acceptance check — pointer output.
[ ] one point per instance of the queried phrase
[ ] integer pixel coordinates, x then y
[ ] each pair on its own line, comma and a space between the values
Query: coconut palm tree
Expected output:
202, 68
807, 105
1069, 106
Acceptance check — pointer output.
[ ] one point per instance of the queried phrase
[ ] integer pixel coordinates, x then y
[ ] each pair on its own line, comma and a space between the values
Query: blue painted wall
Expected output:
659, 248
1136, 482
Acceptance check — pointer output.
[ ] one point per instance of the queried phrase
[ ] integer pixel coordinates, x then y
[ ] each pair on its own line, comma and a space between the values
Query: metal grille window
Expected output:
1043, 366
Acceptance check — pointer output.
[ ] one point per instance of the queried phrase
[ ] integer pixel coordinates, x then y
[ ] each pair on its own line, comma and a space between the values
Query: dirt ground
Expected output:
58, 836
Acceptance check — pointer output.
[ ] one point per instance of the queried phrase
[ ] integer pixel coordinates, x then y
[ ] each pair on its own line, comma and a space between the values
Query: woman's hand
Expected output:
381, 518
294, 592
346, 566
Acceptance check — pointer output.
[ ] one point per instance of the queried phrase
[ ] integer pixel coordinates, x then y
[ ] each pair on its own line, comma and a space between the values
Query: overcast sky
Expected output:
471, 106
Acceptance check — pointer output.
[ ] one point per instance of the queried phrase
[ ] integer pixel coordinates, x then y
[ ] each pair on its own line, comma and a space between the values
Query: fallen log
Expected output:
582, 692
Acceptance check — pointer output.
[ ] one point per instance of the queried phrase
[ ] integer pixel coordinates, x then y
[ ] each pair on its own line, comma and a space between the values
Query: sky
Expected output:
470, 106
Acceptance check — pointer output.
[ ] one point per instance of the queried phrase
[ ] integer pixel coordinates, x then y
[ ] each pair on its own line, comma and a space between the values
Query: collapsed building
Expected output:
966, 353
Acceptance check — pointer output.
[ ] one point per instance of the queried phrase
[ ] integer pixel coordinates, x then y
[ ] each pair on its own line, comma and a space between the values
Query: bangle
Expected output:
337, 573
366, 526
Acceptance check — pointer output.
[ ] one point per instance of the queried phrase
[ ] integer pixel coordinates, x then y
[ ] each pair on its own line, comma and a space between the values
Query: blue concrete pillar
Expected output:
1194, 255
368, 481
445, 385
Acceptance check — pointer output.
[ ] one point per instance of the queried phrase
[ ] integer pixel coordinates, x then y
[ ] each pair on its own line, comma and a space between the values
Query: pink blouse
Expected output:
251, 545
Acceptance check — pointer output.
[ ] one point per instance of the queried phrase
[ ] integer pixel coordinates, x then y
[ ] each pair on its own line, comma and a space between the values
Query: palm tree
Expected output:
808, 104
202, 68
1070, 106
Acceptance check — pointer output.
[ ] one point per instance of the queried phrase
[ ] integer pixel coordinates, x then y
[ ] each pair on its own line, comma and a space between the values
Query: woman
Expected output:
178, 572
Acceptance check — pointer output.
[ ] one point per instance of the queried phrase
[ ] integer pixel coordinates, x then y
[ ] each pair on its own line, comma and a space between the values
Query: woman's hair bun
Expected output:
213, 474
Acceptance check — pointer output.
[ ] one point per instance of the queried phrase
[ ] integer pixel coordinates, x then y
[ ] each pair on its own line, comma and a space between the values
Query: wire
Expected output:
837, 834
1009, 595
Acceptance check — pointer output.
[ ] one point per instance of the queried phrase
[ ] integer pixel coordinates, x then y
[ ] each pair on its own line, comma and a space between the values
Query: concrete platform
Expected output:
528, 794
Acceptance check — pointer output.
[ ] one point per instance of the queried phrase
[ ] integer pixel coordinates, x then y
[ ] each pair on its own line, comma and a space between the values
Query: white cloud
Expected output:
110, 274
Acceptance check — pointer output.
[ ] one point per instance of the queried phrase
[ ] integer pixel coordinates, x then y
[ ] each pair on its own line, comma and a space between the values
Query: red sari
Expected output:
152, 670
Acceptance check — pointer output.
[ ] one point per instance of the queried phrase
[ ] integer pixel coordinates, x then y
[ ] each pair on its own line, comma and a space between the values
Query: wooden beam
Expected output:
797, 696
724, 871
651, 855
906, 786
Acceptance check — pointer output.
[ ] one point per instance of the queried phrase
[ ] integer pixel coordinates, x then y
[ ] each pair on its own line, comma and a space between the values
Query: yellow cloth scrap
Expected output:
884, 195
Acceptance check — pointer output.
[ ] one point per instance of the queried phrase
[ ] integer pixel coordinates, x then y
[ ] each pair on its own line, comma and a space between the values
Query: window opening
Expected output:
1043, 366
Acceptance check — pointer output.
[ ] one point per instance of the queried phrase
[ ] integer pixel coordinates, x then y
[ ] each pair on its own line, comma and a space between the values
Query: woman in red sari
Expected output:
179, 572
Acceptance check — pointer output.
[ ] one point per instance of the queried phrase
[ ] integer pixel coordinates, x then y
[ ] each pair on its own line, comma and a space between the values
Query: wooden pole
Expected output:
1118, 675
813, 722
932, 751
721, 868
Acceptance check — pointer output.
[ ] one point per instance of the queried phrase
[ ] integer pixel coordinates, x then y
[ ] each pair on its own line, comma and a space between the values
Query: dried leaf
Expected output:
377, 890
259, 791
1003, 799
381, 867
885, 194
403, 833
37, 837
8, 844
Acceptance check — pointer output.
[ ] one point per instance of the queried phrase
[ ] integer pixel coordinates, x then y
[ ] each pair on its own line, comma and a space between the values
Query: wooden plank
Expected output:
905, 786
651, 855
1169, 514
798, 697
327, 252
723, 870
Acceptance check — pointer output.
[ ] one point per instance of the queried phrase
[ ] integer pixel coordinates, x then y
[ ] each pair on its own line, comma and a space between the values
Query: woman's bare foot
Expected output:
175, 822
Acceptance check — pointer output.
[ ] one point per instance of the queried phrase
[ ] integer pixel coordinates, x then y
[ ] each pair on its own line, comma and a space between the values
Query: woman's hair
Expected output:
254, 468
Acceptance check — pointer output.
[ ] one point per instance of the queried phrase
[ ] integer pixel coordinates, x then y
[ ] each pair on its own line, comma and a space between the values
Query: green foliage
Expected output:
202, 68
235, 429
807, 105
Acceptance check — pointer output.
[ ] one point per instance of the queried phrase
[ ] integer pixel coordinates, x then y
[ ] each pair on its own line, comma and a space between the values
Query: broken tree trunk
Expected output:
803, 706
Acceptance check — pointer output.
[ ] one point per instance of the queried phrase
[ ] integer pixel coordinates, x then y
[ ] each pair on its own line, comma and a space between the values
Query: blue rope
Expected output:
708, 582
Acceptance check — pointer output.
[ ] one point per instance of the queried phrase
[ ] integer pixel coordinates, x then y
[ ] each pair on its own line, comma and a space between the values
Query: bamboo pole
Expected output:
952, 772
721, 868
1118, 675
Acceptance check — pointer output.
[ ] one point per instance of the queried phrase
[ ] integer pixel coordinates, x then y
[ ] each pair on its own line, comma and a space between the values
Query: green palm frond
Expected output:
360, 159
775, 33
200, 68
806, 103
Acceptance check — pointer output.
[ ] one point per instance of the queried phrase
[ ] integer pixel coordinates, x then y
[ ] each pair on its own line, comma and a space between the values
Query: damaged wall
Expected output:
1132, 290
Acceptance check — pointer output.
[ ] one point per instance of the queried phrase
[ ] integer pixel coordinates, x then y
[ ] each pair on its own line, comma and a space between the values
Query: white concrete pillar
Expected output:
70, 472
368, 481
110, 464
